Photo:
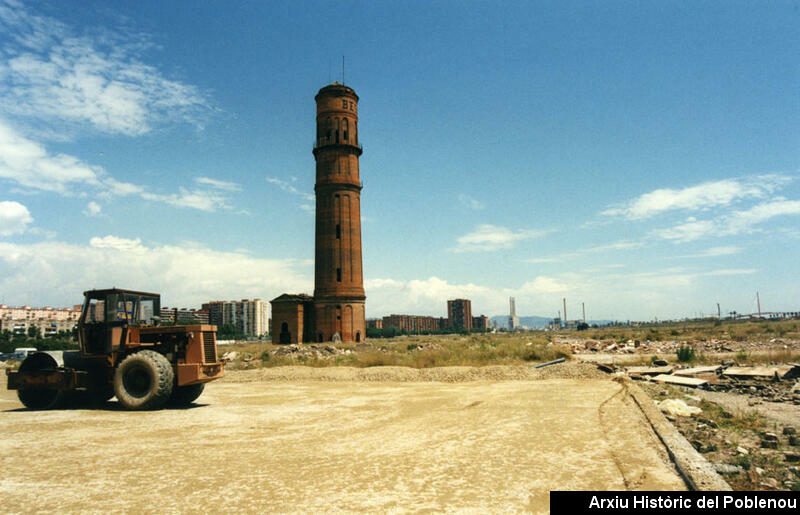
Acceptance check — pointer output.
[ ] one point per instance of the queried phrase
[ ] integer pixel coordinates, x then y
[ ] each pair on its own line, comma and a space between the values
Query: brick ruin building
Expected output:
336, 311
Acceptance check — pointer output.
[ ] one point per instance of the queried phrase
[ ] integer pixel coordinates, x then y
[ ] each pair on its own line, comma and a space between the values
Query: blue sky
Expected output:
641, 157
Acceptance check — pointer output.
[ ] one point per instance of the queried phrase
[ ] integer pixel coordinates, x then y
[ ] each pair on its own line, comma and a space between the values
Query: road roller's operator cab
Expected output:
108, 315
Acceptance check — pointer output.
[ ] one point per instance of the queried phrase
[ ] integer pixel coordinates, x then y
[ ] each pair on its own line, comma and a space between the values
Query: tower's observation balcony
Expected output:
355, 148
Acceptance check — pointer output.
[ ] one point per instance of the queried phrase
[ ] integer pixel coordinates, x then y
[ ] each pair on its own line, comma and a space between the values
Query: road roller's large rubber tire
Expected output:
185, 395
40, 398
143, 381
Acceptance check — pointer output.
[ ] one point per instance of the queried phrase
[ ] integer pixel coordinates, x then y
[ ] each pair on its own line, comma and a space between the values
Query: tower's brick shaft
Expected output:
338, 278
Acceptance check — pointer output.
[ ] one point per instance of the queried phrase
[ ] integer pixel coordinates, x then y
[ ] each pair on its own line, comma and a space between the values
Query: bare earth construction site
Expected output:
302, 439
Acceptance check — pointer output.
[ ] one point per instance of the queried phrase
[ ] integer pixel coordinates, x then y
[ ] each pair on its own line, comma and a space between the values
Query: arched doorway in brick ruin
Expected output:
285, 336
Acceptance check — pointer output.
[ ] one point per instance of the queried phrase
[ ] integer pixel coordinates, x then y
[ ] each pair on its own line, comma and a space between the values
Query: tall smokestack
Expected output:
758, 300
565, 310
583, 308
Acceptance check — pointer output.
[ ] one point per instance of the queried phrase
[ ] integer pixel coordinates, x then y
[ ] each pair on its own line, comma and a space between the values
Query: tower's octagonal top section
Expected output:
337, 97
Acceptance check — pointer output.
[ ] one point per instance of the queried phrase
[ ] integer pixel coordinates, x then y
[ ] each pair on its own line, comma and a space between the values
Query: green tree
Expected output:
34, 332
6, 343
229, 332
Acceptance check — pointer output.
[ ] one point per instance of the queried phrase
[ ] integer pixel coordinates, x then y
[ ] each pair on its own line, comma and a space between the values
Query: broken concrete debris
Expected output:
761, 372
650, 371
679, 380
678, 407
771, 383
696, 371
583, 346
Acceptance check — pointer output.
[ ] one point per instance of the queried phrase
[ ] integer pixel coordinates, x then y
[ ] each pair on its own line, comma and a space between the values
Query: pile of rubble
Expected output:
586, 346
776, 383
309, 351
738, 451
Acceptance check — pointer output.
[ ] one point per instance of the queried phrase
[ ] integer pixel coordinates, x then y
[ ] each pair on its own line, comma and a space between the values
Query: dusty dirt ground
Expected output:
289, 444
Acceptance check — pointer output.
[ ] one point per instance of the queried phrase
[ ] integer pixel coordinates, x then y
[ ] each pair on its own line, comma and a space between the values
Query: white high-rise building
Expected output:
251, 317
513, 319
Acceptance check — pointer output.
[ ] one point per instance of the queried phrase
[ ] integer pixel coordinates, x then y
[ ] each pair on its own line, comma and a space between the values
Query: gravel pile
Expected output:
569, 370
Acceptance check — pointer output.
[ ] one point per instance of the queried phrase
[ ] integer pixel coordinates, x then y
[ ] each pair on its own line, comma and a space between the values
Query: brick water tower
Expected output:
338, 277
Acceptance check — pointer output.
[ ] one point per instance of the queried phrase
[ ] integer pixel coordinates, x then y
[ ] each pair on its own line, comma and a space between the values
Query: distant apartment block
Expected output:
459, 314
375, 323
413, 323
459, 317
49, 320
480, 322
183, 316
251, 317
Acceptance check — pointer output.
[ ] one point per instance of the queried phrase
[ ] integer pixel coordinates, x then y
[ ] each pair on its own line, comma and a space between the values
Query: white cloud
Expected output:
701, 197
690, 230
736, 222
215, 183
51, 73
543, 285
715, 252
618, 245
743, 221
731, 271
30, 165
93, 209
543, 260
421, 296
51, 77
285, 186
204, 200
471, 202
113, 242
664, 293
188, 274
14, 218
487, 237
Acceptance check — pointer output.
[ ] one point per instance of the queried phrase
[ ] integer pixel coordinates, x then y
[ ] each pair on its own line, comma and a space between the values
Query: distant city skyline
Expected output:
640, 158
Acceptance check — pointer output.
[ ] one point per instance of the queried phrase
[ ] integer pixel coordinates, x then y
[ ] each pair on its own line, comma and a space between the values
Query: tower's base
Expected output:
302, 318
342, 317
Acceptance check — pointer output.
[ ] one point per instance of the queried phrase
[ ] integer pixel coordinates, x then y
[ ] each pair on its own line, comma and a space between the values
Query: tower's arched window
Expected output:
328, 130
345, 127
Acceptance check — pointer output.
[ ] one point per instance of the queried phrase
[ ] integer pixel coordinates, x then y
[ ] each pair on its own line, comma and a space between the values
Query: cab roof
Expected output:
92, 293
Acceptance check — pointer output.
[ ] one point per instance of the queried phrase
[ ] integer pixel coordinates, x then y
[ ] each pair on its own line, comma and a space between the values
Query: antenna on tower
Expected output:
330, 70
342, 70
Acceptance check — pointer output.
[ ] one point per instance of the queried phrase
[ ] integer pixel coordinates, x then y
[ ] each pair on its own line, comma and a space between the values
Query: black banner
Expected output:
674, 502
